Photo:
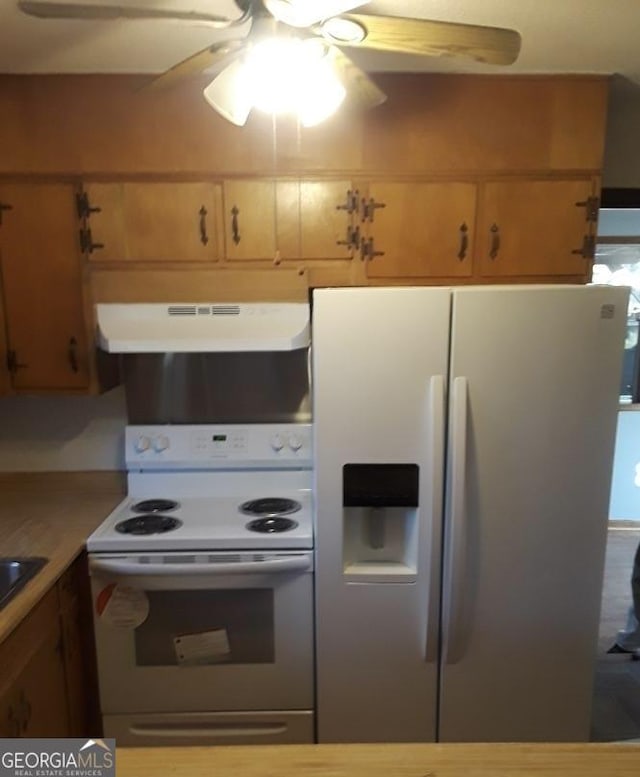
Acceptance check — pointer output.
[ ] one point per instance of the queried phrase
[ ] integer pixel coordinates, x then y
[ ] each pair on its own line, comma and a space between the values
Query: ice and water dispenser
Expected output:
380, 522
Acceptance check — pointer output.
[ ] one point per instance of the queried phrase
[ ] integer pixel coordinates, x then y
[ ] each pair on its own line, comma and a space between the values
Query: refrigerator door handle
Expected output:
437, 415
457, 524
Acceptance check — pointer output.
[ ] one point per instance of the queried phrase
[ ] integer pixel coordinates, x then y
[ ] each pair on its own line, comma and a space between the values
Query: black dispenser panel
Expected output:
380, 485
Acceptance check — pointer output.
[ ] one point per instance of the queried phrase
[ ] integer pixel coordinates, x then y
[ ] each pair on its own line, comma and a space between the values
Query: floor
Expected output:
616, 701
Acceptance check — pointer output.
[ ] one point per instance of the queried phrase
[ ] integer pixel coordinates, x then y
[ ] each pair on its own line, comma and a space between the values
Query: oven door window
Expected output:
194, 628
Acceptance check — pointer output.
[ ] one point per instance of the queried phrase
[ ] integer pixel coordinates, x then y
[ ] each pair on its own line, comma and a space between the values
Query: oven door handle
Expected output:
116, 566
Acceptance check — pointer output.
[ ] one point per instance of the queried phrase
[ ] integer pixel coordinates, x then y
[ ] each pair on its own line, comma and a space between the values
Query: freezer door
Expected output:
533, 404
379, 361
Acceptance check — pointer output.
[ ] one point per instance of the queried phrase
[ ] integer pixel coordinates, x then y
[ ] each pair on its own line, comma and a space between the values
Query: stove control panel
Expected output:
279, 446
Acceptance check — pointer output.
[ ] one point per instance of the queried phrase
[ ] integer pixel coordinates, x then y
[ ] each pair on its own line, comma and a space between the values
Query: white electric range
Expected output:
202, 582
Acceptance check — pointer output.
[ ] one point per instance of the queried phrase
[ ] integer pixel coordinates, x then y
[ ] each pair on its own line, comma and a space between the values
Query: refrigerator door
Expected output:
379, 361
534, 394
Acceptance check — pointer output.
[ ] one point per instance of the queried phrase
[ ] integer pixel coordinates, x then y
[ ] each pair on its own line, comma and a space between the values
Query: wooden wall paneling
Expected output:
5, 381
196, 285
441, 123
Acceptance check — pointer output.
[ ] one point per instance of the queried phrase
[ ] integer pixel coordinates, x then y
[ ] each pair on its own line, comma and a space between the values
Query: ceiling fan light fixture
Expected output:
346, 31
290, 75
229, 95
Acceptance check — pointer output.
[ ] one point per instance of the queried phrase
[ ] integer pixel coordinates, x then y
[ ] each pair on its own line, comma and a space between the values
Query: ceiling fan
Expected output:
323, 26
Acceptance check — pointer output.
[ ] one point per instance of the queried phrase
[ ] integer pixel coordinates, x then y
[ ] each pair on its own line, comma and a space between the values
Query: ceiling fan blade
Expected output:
494, 45
196, 63
360, 88
304, 13
91, 12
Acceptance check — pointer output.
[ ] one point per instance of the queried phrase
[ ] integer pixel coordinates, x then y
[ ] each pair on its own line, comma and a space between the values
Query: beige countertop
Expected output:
390, 760
50, 514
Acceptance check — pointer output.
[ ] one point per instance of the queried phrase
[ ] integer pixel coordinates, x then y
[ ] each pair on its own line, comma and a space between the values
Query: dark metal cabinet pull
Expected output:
464, 241
495, 241
73, 354
204, 239
235, 232
4, 206
13, 365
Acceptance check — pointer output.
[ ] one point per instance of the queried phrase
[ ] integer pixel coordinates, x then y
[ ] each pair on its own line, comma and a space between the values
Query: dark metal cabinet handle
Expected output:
351, 202
73, 354
495, 241
204, 239
4, 206
13, 365
464, 241
235, 232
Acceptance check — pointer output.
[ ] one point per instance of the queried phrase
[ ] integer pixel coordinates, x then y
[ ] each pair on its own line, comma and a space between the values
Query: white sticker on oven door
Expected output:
202, 647
122, 606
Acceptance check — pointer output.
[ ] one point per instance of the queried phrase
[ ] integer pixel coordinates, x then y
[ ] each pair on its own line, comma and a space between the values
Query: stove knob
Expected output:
295, 443
161, 443
142, 444
277, 442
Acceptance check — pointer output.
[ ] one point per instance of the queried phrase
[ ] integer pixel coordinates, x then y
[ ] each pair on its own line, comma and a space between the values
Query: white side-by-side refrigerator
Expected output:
463, 444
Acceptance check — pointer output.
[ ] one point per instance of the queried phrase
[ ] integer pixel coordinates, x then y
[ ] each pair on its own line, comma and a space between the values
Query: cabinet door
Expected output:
531, 228
280, 219
154, 222
325, 219
33, 700
42, 282
250, 219
422, 229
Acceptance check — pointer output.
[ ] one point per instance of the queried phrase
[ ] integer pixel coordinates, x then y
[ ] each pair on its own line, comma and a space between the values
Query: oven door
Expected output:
180, 632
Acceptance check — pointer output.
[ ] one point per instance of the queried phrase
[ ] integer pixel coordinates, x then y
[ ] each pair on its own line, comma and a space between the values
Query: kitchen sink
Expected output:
15, 573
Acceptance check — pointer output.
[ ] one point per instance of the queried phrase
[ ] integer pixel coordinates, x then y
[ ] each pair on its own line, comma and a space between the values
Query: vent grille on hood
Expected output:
182, 328
203, 310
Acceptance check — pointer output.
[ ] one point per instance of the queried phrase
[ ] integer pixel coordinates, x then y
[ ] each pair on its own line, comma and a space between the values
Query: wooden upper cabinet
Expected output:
153, 222
286, 219
535, 228
42, 287
420, 229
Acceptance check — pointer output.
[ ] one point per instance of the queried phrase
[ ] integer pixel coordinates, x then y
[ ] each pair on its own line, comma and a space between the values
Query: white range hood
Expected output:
202, 327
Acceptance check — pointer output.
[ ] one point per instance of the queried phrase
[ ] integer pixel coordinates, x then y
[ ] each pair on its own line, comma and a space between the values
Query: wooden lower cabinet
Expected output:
535, 228
33, 700
47, 666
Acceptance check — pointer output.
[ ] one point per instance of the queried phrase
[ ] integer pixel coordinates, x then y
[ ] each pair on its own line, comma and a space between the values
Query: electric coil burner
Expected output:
155, 506
270, 507
272, 525
150, 523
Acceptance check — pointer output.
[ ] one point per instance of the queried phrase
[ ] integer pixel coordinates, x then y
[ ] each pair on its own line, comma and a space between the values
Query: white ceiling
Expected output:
559, 36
